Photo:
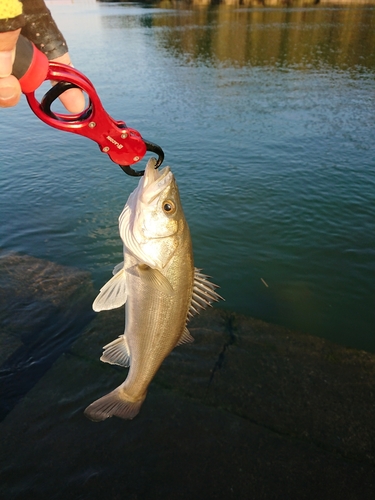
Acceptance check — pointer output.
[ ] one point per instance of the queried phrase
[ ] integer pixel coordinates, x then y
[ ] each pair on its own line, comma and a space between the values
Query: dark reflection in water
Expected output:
301, 38
296, 37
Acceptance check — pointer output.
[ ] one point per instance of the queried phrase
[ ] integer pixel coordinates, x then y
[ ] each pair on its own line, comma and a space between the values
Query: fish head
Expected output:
153, 218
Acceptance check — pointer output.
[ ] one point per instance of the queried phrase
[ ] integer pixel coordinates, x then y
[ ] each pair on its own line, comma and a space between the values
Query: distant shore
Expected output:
253, 3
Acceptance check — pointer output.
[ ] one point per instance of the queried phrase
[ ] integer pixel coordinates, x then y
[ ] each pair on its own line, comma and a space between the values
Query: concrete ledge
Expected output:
249, 411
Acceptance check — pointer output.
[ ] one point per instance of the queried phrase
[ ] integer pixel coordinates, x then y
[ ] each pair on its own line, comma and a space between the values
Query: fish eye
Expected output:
169, 207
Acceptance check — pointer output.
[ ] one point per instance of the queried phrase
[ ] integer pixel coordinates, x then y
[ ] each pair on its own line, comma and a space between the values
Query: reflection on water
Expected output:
303, 38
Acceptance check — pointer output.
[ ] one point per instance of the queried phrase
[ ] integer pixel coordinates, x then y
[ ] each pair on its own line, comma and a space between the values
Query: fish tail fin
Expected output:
113, 404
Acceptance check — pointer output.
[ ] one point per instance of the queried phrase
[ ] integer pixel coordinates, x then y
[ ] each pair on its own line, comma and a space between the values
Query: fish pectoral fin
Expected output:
118, 268
154, 279
185, 338
117, 352
113, 404
204, 293
113, 294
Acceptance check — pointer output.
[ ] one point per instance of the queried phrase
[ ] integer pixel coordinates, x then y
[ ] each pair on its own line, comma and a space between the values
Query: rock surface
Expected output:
43, 307
248, 411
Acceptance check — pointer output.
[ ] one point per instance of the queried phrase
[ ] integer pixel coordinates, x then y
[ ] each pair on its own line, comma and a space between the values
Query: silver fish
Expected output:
159, 285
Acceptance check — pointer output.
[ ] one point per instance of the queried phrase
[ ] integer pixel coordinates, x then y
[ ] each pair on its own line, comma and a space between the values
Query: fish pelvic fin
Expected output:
117, 352
113, 294
113, 404
185, 338
204, 293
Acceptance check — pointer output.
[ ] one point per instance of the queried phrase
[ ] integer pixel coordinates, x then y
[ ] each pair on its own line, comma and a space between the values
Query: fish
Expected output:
159, 285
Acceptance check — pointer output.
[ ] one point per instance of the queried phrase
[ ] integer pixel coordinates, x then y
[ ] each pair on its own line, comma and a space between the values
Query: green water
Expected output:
266, 116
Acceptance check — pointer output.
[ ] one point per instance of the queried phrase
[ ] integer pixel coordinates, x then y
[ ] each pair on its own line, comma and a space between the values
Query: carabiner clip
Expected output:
150, 146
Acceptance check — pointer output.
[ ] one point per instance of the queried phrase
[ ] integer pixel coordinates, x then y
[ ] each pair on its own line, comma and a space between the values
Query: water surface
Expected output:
266, 116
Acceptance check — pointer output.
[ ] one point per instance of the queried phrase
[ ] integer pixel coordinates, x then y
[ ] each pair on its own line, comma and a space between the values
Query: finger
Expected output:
10, 91
72, 99
6, 62
9, 39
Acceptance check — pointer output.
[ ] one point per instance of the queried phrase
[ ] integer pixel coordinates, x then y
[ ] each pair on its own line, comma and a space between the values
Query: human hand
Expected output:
10, 89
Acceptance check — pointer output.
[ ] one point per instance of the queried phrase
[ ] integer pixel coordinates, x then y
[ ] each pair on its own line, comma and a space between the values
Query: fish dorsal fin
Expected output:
185, 338
117, 352
204, 293
152, 278
113, 294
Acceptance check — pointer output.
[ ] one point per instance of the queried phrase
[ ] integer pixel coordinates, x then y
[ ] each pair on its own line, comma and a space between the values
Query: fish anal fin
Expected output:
113, 404
117, 352
112, 294
185, 338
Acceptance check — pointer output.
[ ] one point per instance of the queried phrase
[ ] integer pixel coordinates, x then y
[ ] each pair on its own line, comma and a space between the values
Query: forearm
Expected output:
37, 25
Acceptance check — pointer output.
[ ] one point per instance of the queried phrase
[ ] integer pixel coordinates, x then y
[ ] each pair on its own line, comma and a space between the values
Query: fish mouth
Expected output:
155, 180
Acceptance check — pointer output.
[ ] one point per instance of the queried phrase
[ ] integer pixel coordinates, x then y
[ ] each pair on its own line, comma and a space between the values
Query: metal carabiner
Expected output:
150, 146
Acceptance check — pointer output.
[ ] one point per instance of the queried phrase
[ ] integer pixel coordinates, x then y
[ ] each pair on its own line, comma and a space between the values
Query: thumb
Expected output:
10, 91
